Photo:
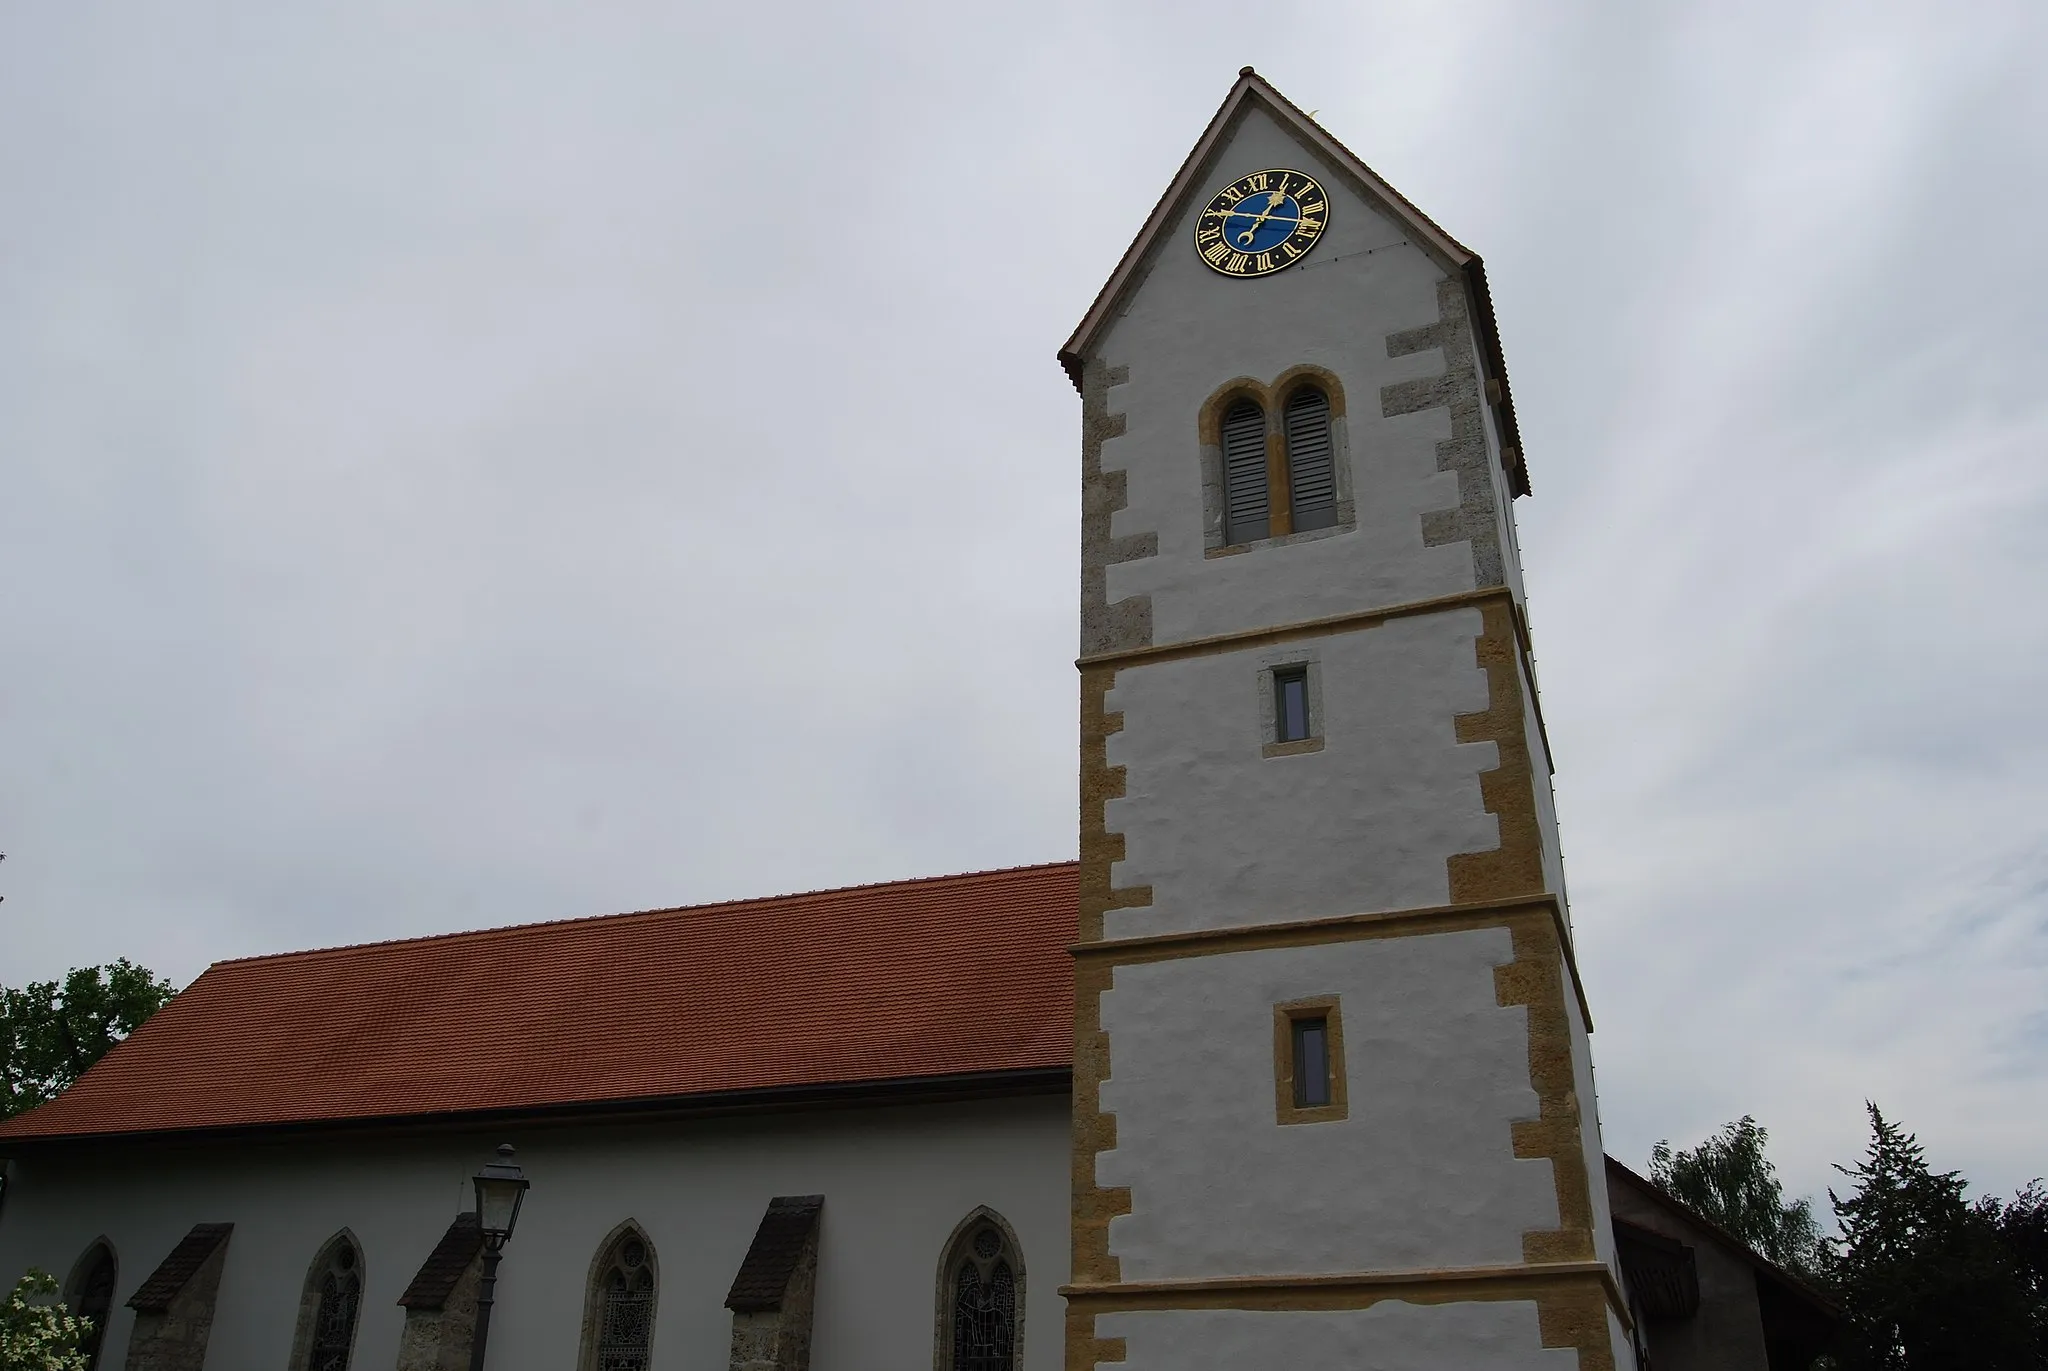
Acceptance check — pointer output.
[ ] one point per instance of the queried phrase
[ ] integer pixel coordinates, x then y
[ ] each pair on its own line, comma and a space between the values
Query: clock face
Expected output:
1267, 221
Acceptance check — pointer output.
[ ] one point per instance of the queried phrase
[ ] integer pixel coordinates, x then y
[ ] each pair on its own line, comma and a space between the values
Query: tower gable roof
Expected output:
1253, 90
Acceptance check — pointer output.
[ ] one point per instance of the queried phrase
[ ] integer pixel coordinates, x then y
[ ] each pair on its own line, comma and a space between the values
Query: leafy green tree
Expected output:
1730, 1180
51, 1032
36, 1334
1928, 1281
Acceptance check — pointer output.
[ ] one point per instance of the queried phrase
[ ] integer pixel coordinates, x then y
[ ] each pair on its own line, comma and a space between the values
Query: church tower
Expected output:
1333, 1097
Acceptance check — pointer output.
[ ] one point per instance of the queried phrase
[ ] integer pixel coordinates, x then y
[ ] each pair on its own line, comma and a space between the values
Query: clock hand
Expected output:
1272, 203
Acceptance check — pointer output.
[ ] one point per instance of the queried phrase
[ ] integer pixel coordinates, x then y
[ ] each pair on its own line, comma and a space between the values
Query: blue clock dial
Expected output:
1262, 223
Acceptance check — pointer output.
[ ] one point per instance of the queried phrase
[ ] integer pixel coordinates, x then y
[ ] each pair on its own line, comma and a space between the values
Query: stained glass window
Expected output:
625, 1306
340, 1284
985, 1312
93, 1298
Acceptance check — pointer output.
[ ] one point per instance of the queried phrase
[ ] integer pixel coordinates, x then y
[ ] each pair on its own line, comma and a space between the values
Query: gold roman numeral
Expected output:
1237, 263
1257, 181
1209, 233
1265, 261
1216, 252
1230, 195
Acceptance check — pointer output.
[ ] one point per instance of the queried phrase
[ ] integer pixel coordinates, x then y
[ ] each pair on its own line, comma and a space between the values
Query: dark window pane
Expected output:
1311, 1062
1311, 477
1290, 705
1246, 512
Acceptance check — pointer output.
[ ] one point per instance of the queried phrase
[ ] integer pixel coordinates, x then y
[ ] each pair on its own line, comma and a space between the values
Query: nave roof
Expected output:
950, 978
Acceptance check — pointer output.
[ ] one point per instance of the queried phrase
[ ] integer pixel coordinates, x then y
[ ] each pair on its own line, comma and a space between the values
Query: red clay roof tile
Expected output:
949, 975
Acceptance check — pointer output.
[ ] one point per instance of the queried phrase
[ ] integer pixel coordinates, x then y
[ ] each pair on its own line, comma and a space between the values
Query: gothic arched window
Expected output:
618, 1323
328, 1308
1247, 504
981, 1297
1311, 470
90, 1294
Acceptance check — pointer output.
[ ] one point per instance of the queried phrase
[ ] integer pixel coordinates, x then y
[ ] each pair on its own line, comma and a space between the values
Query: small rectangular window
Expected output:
1290, 704
1308, 1062
1311, 1063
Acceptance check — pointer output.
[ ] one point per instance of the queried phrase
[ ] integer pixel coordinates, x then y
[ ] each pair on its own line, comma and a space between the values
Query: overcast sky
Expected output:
467, 464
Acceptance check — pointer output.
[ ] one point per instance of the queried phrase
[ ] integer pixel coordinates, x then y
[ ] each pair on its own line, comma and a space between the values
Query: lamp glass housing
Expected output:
500, 1189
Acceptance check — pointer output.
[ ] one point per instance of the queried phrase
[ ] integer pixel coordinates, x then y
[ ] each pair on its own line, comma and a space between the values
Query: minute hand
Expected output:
1272, 203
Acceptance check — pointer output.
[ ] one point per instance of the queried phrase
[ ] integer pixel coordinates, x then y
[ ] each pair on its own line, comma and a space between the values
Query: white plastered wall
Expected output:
1389, 1336
895, 1183
1226, 836
1540, 785
1422, 1172
1187, 330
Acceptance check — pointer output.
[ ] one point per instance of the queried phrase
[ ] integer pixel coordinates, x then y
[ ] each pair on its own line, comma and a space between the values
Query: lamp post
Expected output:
500, 1189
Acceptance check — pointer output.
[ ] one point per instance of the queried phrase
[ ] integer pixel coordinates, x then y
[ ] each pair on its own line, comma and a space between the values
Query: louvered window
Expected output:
1311, 472
1247, 514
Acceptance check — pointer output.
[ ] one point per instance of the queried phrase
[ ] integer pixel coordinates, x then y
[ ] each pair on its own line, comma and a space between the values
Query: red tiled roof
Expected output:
950, 975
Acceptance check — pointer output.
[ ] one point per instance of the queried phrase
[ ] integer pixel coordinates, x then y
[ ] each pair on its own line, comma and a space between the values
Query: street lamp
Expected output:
500, 1190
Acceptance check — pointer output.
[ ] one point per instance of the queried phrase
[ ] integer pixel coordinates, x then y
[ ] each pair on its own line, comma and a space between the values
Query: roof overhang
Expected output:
871, 1094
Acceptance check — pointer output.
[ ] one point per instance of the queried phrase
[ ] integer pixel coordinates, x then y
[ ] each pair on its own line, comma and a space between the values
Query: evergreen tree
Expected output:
1926, 1280
1730, 1180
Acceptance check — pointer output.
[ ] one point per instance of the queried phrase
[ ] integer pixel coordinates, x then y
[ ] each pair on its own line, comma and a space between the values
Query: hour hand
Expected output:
1272, 203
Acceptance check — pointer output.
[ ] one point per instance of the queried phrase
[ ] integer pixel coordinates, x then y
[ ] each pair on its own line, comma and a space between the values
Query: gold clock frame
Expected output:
1211, 240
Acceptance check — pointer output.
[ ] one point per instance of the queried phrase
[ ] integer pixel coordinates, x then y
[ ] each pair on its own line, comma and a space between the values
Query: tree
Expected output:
2022, 1228
1730, 1180
50, 1033
35, 1332
1927, 1281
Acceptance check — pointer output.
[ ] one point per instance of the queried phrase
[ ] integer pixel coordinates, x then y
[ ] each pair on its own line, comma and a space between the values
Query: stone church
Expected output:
1290, 1069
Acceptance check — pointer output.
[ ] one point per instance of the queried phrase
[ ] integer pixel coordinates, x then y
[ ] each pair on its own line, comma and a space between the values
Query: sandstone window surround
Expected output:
1290, 701
89, 1293
1275, 462
619, 1306
1308, 1062
981, 1297
329, 1305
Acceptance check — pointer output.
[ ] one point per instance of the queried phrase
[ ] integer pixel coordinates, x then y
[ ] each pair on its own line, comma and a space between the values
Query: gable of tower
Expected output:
1252, 98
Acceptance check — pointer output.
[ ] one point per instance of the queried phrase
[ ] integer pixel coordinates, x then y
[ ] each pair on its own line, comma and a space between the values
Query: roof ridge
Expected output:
484, 934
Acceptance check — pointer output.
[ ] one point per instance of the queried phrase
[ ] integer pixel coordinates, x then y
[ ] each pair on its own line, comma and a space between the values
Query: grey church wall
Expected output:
1217, 829
1422, 1172
1390, 1336
896, 1182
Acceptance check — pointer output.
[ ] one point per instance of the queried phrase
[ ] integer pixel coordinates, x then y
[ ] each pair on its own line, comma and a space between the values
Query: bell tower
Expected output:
1333, 1095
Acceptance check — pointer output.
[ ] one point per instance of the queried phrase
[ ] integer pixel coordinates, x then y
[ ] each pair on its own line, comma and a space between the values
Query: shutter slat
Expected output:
1311, 469
1246, 511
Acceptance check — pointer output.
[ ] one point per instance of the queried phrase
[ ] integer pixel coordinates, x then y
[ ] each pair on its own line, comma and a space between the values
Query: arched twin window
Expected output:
981, 1297
1264, 497
90, 1294
618, 1312
328, 1308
